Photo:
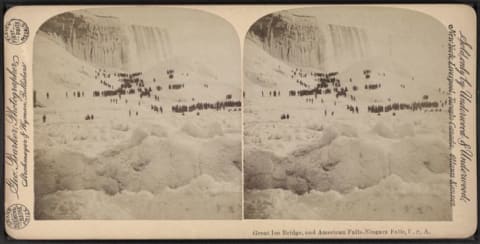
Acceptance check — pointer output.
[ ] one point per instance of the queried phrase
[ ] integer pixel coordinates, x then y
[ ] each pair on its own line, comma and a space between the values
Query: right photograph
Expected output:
346, 115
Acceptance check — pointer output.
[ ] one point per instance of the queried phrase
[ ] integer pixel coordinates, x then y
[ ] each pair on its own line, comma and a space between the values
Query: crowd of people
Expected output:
118, 86
314, 85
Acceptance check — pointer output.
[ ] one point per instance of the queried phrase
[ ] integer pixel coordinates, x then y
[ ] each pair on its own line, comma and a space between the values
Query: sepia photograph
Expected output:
240, 121
346, 115
137, 115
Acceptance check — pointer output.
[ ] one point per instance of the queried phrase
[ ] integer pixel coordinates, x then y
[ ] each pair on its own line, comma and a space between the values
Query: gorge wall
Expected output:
105, 42
302, 41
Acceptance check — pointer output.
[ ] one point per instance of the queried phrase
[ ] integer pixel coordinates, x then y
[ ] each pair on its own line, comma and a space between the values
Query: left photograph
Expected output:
137, 115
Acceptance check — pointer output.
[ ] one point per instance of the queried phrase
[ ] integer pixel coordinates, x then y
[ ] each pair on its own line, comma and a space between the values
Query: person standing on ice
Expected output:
48, 95
44, 118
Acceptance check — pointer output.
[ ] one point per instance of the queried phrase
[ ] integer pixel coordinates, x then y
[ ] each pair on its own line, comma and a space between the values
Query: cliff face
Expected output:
302, 41
295, 39
104, 41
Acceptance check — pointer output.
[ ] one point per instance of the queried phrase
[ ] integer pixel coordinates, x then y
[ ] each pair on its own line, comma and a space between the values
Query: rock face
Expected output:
300, 40
102, 40
293, 38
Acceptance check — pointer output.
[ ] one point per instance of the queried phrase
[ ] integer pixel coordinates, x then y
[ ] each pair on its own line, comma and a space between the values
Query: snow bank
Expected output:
337, 161
209, 131
391, 199
147, 165
120, 127
202, 198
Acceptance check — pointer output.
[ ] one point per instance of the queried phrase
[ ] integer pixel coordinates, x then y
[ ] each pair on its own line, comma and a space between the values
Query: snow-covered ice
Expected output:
129, 156
329, 154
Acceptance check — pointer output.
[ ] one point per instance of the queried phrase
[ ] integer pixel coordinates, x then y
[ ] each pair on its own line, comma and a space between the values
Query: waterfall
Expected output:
348, 42
149, 45
106, 42
302, 41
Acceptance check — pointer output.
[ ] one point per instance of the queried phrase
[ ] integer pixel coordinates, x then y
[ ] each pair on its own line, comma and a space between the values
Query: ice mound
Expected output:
342, 161
203, 198
158, 131
395, 130
120, 126
343, 165
405, 129
66, 170
137, 137
206, 183
381, 170
391, 199
315, 126
329, 134
209, 131
418, 158
145, 167
258, 168
144, 163
383, 130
